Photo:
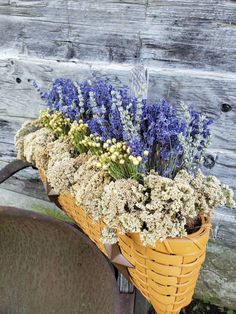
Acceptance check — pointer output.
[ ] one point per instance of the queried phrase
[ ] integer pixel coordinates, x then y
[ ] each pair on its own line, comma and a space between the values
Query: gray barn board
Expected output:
189, 48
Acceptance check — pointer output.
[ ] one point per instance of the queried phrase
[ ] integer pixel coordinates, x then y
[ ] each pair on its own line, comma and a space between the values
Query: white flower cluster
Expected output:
156, 209
89, 186
209, 191
60, 173
27, 128
122, 202
35, 142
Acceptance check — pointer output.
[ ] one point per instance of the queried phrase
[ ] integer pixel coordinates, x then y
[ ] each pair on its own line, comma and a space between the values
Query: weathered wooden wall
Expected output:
189, 48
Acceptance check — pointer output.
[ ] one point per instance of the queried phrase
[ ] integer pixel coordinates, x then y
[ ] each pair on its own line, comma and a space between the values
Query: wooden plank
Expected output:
23, 71
7, 152
224, 228
217, 283
190, 34
66, 31
207, 91
25, 182
11, 198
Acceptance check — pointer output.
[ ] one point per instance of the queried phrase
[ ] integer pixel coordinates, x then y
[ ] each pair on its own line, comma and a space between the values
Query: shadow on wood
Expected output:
48, 266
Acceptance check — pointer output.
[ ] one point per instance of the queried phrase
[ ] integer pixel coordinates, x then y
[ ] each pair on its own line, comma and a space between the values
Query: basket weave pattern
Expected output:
166, 274
93, 230
77, 213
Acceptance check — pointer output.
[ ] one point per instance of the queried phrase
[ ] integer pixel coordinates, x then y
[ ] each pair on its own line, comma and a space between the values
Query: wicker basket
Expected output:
167, 274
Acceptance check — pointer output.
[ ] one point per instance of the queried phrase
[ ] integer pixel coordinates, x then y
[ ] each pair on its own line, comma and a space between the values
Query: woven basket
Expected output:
166, 274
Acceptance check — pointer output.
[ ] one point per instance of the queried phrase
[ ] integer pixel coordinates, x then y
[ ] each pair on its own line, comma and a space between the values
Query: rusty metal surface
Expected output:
81, 295
11, 168
48, 266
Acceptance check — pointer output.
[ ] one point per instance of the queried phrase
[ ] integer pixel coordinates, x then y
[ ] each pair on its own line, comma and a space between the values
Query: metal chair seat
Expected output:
48, 266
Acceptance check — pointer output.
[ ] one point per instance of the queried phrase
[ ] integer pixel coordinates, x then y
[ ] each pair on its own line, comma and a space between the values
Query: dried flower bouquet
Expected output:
139, 161
131, 164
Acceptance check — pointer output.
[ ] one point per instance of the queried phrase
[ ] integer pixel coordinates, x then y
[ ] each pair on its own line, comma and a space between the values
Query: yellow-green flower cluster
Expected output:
56, 122
82, 140
113, 156
93, 144
77, 133
116, 157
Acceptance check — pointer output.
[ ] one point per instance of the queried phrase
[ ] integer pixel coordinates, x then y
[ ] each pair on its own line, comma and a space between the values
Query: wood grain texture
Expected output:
193, 34
25, 182
188, 33
217, 281
207, 92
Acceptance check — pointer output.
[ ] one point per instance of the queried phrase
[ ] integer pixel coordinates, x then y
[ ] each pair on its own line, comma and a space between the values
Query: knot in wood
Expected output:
226, 107
209, 161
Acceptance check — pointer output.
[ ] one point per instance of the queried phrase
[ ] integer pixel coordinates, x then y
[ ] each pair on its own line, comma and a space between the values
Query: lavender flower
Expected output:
194, 139
152, 132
